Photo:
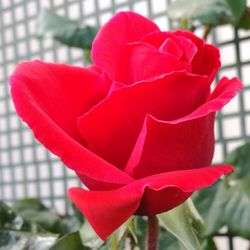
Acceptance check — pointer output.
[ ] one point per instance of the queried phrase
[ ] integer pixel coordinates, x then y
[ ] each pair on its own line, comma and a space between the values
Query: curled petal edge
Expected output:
107, 210
47, 131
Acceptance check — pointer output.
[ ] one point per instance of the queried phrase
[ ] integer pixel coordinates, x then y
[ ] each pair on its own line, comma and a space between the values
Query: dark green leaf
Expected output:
117, 240
177, 222
69, 224
140, 231
204, 198
88, 237
237, 209
210, 203
77, 213
34, 211
65, 30
19, 240
208, 244
244, 22
240, 159
70, 241
237, 9
167, 241
20, 234
11, 220
229, 207
208, 12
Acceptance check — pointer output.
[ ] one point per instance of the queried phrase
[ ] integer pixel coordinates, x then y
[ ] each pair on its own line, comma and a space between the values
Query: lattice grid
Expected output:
26, 168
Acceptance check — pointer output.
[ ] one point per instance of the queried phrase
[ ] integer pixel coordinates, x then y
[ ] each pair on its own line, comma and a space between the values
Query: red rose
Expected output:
138, 126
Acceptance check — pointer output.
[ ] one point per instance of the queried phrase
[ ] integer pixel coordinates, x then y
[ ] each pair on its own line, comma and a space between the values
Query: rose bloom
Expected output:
137, 126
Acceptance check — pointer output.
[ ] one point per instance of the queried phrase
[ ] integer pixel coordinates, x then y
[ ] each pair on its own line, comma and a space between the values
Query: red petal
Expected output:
107, 210
187, 142
50, 97
157, 38
186, 41
225, 90
163, 147
145, 61
124, 27
169, 46
111, 128
188, 48
199, 43
207, 61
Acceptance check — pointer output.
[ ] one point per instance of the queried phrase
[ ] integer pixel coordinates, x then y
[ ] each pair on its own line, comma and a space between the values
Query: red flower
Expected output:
137, 126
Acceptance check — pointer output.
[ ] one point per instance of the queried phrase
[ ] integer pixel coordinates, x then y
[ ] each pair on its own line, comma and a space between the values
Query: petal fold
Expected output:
186, 142
163, 147
112, 127
145, 61
107, 210
49, 98
124, 27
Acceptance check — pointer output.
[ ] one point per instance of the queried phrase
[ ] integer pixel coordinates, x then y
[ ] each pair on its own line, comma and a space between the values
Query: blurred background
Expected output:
27, 169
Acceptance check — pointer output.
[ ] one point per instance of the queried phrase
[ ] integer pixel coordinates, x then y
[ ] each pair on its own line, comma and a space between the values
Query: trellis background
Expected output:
26, 168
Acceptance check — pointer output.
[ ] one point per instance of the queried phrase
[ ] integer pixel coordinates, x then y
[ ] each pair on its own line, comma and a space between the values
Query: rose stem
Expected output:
152, 233
207, 30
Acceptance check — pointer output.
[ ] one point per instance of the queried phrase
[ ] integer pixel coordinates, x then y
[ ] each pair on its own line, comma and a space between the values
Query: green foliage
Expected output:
70, 241
23, 227
88, 236
240, 159
228, 202
245, 20
35, 212
66, 31
237, 9
177, 222
21, 234
208, 12
139, 231
20, 240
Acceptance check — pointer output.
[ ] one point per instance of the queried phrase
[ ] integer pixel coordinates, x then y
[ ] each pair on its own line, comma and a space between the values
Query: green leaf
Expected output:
208, 244
237, 9
77, 213
233, 210
209, 202
88, 236
229, 206
19, 234
215, 219
177, 222
244, 22
196, 219
11, 220
167, 241
68, 224
67, 31
20, 240
140, 231
34, 211
117, 240
70, 241
237, 209
240, 159
208, 12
